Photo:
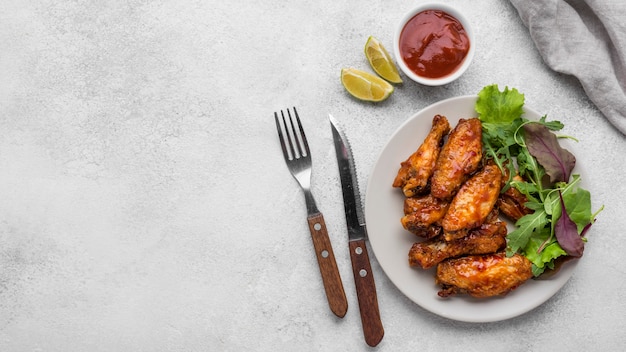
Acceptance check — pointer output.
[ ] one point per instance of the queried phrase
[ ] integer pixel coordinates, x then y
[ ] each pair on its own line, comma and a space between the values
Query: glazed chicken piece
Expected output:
511, 203
483, 275
488, 238
423, 215
473, 203
415, 172
459, 158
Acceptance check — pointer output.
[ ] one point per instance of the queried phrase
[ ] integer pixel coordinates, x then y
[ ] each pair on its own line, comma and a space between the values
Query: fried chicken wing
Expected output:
488, 238
473, 203
483, 276
423, 214
511, 203
415, 172
459, 158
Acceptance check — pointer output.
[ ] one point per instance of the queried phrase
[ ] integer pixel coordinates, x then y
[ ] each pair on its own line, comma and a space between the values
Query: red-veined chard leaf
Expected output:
566, 233
544, 146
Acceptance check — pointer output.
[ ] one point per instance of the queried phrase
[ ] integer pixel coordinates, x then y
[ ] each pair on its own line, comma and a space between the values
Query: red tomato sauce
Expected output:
433, 44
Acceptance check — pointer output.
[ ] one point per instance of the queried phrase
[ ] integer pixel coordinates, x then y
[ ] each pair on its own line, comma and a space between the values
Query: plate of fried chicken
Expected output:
437, 220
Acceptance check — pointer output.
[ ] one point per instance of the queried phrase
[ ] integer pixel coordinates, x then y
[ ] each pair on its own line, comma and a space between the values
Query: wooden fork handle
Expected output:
328, 266
366, 293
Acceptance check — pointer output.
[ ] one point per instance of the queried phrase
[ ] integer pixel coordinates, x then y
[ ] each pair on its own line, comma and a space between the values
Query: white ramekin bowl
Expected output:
464, 65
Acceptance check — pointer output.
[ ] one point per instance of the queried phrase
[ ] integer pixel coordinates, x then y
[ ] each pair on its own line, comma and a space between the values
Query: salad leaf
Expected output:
578, 205
567, 233
529, 168
541, 250
529, 190
526, 226
544, 146
498, 139
551, 125
499, 107
562, 210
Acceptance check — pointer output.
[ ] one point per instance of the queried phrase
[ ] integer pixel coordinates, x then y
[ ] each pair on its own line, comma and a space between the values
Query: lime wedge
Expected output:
365, 86
381, 61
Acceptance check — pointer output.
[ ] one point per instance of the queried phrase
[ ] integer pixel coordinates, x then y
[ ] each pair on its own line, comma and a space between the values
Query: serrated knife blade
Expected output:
355, 218
357, 233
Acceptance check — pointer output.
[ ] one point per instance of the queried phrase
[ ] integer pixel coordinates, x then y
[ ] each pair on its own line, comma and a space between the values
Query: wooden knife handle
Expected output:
328, 266
366, 293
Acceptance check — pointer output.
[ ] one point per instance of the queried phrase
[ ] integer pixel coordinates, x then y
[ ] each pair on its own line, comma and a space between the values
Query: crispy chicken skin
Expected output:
416, 171
459, 158
483, 275
473, 203
423, 215
511, 203
453, 201
488, 238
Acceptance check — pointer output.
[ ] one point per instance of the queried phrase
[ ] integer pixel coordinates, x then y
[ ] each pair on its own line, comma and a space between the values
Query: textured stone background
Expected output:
145, 205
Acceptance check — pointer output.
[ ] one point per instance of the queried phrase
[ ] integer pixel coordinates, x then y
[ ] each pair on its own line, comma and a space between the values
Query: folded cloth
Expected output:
586, 39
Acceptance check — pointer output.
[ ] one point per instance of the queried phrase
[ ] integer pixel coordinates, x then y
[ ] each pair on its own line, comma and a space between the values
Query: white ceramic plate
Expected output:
391, 242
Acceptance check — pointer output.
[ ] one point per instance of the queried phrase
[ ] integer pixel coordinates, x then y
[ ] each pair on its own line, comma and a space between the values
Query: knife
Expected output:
357, 234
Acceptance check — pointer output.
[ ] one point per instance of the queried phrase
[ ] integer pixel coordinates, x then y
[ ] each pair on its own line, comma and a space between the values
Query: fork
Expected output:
298, 158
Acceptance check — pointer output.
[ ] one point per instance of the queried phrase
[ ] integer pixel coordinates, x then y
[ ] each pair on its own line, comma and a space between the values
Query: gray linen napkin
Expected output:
586, 39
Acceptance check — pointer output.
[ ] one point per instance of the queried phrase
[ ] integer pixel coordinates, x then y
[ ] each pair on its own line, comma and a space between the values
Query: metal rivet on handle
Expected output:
324, 254
317, 226
363, 273
358, 250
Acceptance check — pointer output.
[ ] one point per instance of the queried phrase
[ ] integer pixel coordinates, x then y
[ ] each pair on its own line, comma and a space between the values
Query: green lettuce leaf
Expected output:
541, 250
494, 106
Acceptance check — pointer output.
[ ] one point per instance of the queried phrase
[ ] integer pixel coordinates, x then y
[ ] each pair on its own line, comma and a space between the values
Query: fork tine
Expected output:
296, 135
302, 134
291, 149
292, 141
280, 136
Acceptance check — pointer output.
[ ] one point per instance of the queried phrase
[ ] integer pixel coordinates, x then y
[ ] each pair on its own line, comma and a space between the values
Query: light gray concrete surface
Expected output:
145, 204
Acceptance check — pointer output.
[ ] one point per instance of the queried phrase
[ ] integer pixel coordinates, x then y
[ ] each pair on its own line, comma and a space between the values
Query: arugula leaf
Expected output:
526, 225
544, 146
529, 168
499, 107
530, 190
551, 125
498, 140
